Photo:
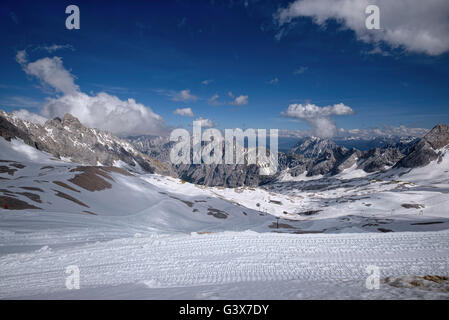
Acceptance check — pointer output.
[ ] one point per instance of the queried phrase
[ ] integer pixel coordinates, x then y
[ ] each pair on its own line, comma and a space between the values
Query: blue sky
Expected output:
151, 51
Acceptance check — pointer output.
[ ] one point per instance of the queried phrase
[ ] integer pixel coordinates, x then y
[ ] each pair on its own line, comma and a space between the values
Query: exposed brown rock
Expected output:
90, 212
91, 178
18, 165
65, 185
70, 198
217, 213
32, 189
412, 206
15, 204
8, 170
32, 196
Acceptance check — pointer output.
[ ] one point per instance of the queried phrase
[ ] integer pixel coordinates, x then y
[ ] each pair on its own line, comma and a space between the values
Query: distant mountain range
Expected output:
309, 157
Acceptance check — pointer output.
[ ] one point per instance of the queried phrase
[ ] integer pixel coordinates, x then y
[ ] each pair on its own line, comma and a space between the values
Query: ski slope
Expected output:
282, 266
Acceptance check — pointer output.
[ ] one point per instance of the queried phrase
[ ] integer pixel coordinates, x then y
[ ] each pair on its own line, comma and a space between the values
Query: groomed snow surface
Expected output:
153, 237
233, 265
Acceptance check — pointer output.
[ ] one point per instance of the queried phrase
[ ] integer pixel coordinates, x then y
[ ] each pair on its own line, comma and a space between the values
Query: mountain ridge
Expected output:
313, 156
68, 138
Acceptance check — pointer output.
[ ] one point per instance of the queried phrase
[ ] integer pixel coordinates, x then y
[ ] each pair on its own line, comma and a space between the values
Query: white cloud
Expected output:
21, 57
206, 123
273, 81
206, 82
416, 26
184, 95
300, 70
107, 112
50, 71
319, 118
186, 112
213, 101
55, 47
103, 111
240, 101
178, 96
29, 116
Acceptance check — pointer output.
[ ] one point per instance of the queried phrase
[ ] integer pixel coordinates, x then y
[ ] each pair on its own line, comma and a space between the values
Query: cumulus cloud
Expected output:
418, 26
50, 72
319, 118
107, 112
206, 123
240, 101
29, 116
185, 112
103, 111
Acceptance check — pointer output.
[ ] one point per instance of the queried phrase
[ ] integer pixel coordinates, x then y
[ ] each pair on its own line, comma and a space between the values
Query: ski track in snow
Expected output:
176, 261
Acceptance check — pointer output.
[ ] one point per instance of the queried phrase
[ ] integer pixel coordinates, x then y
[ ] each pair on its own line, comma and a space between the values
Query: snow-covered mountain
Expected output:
311, 157
68, 138
313, 147
226, 175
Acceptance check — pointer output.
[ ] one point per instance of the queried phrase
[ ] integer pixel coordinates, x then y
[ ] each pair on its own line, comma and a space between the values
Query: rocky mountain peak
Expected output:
427, 149
71, 121
68, 138
313, 147
438, 137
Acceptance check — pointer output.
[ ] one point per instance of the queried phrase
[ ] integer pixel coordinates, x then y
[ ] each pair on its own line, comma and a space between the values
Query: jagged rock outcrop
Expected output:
334, 161
427, 149
157, 147
379, 159
313, 147
68, 138
227, 175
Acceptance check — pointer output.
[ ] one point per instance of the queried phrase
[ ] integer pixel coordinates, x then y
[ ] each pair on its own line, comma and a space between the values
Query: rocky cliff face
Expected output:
379, 159
68, 138
427, 149
313, 147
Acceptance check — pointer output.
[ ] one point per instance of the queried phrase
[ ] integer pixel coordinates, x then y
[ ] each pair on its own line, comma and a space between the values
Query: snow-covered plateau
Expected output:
148, 236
